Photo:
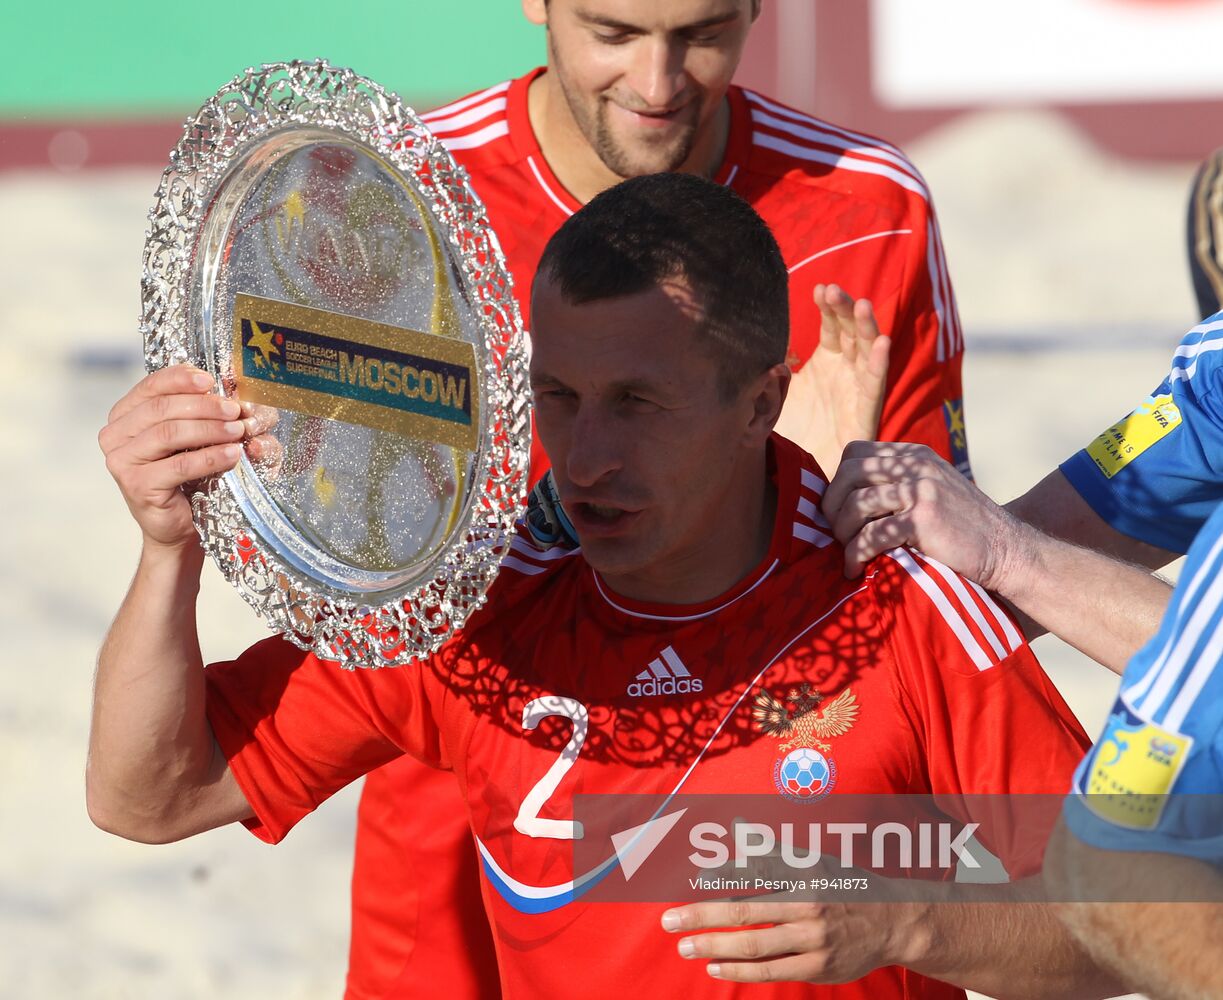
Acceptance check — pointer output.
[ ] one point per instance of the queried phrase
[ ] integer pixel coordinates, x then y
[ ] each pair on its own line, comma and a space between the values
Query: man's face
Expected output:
644, 79
645, 451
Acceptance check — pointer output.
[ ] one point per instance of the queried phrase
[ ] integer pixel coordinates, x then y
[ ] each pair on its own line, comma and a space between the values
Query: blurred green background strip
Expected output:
148, 58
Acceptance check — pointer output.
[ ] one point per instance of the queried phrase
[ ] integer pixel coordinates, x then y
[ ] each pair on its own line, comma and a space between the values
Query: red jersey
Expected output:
949, 701
844, 208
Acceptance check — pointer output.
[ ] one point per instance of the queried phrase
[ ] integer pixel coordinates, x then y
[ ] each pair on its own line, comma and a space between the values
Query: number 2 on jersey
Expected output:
528, 821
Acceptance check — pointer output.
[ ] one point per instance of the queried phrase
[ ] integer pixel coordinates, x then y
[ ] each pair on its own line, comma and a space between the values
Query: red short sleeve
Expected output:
991, 723
296, 729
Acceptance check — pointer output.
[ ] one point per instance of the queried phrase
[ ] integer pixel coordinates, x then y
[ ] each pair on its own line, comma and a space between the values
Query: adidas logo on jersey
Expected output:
666, 674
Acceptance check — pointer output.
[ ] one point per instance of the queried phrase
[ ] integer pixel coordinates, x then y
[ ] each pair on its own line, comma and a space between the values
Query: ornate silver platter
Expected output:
316, 250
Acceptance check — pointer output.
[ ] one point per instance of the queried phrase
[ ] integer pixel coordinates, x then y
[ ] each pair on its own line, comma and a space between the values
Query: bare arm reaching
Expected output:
886, 495
154, 772
968, 944
1055, 507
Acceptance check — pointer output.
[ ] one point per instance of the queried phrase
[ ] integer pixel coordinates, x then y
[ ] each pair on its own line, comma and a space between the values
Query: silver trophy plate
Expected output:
318, 251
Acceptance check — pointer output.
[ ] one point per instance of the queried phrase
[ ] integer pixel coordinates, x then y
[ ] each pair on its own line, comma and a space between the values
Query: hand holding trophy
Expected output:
319, 254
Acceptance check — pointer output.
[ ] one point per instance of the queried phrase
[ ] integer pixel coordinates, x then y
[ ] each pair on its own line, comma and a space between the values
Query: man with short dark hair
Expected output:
634, 87
702, 549
729, 260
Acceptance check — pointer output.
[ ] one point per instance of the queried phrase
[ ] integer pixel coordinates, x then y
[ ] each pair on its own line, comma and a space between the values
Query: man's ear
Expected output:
536, 11
768, 397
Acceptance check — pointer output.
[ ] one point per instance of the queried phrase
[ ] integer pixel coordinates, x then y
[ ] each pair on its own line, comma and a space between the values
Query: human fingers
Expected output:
878, 360
841, 308
166, 437
267, 452
836, 316
830, 332
173, 380
152, 489
259, 419
865, 324
878, 449
153, 493
867, 463
867, 504
755, 943
162, 409
188, 466
876, 537
723, 913
805, 968
865, 327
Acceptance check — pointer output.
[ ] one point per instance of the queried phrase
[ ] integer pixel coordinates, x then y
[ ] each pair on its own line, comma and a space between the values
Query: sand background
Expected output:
1070, 273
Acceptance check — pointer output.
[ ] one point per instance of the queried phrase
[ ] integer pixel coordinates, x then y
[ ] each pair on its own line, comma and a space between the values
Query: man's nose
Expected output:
595, 449
658, 72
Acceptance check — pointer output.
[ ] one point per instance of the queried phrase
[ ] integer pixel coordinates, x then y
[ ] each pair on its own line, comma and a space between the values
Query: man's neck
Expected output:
573, 160
714, 568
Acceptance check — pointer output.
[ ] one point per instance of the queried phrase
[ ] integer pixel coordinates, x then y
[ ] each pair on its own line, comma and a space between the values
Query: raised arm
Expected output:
154, 772
837, 396
886, 495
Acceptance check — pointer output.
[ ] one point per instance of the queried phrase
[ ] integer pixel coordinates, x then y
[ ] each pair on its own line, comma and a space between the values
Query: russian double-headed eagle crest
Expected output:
803, 772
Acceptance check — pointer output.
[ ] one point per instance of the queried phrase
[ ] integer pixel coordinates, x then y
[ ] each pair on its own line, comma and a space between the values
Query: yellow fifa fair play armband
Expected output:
1155, 419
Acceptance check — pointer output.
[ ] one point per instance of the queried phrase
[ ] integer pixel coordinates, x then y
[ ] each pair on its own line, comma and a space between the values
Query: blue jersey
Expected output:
1154, 781
1157, 475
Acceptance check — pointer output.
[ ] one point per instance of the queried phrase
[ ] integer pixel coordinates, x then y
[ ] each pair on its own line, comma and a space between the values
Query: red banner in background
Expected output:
69, 146
839, 61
